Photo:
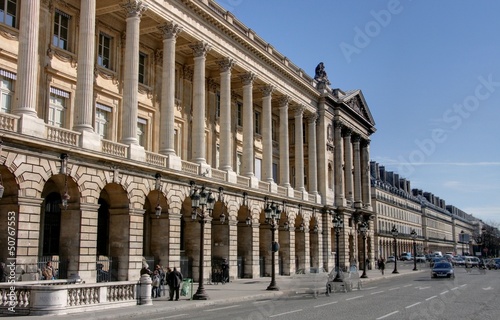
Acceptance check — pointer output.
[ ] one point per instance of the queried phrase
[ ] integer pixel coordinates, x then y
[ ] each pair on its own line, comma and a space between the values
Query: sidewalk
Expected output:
235, 291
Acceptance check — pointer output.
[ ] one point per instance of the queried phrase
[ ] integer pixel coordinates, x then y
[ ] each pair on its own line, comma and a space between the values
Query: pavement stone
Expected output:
239, 290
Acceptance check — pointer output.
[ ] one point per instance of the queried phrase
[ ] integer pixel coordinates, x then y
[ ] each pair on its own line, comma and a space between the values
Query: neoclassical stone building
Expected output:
110, 109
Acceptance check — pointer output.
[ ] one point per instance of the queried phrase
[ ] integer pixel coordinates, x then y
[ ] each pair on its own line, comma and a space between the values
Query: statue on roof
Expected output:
321, 75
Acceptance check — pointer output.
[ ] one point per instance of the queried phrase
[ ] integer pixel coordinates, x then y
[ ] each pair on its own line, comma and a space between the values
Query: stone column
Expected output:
267, 134
28, 231
349, 190
312, 155
200, 51
339, 164
299, 149
365, 176
357, 171
226, 145
284, 145
134, 10
322, 152
84, 95
170, 31
27, 70
247, 167
88, 242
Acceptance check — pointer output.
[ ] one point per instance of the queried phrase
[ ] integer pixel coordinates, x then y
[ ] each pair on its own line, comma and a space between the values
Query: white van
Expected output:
438, 254
471, 261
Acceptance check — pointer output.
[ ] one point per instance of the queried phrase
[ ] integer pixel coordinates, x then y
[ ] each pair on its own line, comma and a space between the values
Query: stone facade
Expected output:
112, 108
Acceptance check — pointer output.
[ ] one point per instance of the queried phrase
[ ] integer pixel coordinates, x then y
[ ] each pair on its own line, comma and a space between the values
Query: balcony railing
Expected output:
62, 135
114, 148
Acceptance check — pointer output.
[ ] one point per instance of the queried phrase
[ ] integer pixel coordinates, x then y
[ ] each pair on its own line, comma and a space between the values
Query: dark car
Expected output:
442, 269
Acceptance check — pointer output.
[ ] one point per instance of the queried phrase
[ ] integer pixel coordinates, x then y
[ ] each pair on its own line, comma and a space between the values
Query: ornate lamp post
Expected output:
202, 204
414, 235
363, 229
273, 215
395, 234
479, 241
338, 225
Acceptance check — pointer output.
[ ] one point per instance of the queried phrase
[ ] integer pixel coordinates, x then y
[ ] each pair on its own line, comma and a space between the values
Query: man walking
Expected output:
174, 284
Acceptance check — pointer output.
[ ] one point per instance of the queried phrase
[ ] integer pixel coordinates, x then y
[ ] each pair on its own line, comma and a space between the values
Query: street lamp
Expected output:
273, 215
363, 229
414, 235
199, 202
395, 234
462, 235
338, 225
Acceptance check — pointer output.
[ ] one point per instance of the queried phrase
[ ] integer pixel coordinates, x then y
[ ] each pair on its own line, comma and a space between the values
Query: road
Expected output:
468, 296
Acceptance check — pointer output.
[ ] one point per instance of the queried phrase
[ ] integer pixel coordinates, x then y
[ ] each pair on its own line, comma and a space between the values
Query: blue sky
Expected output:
429, 71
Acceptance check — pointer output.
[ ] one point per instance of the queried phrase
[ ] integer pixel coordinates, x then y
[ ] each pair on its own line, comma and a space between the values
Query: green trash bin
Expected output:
187, 288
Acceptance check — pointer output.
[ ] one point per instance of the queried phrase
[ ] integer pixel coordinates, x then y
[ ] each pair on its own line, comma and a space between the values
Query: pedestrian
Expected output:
174, 284
381, 265
368, 265
49, 272
145, 269
3, 272
161, 272
225, 270
155, 284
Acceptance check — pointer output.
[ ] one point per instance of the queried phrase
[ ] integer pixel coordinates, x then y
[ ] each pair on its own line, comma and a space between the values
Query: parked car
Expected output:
420, 258
390, 259
458, 261
442, 269
406, 256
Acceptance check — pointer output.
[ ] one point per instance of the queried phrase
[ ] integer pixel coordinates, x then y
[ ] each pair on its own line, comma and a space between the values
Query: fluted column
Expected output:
200, 51
299, 149
339, 164
322, 151
170, 31
247, 168
349, 188
134, 10
284, 144
267, 134
27, 60
84, 95
312, 155
357, 171
365, 176
226, 146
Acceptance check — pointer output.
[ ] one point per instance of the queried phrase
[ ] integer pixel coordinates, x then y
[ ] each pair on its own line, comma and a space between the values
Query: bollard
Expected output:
145, 291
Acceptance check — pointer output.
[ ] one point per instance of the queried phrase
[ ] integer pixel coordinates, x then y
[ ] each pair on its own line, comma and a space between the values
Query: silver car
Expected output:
442, 269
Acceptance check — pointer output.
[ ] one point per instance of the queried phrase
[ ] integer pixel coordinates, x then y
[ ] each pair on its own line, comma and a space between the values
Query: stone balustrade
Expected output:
62, 296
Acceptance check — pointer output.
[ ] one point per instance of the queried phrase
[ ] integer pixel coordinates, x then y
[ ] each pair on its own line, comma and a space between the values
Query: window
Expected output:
142, 125
104, 54
61, 32
6, 90
239, 107
258, 168
273, 129
102, 120
8, 12
217, 105
275, 172
257, 122
143, 59
57, 107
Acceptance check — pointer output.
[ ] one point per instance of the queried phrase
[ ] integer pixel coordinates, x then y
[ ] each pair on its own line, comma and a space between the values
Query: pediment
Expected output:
355, 100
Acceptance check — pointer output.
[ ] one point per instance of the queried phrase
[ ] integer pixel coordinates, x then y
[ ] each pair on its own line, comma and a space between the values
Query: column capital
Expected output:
365, 143
346, 132
226, 64
338, 124
267, 90
134, 8
356, 138
312, 118
283, 101
200, 49
248, 78
170, 30
298, 110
